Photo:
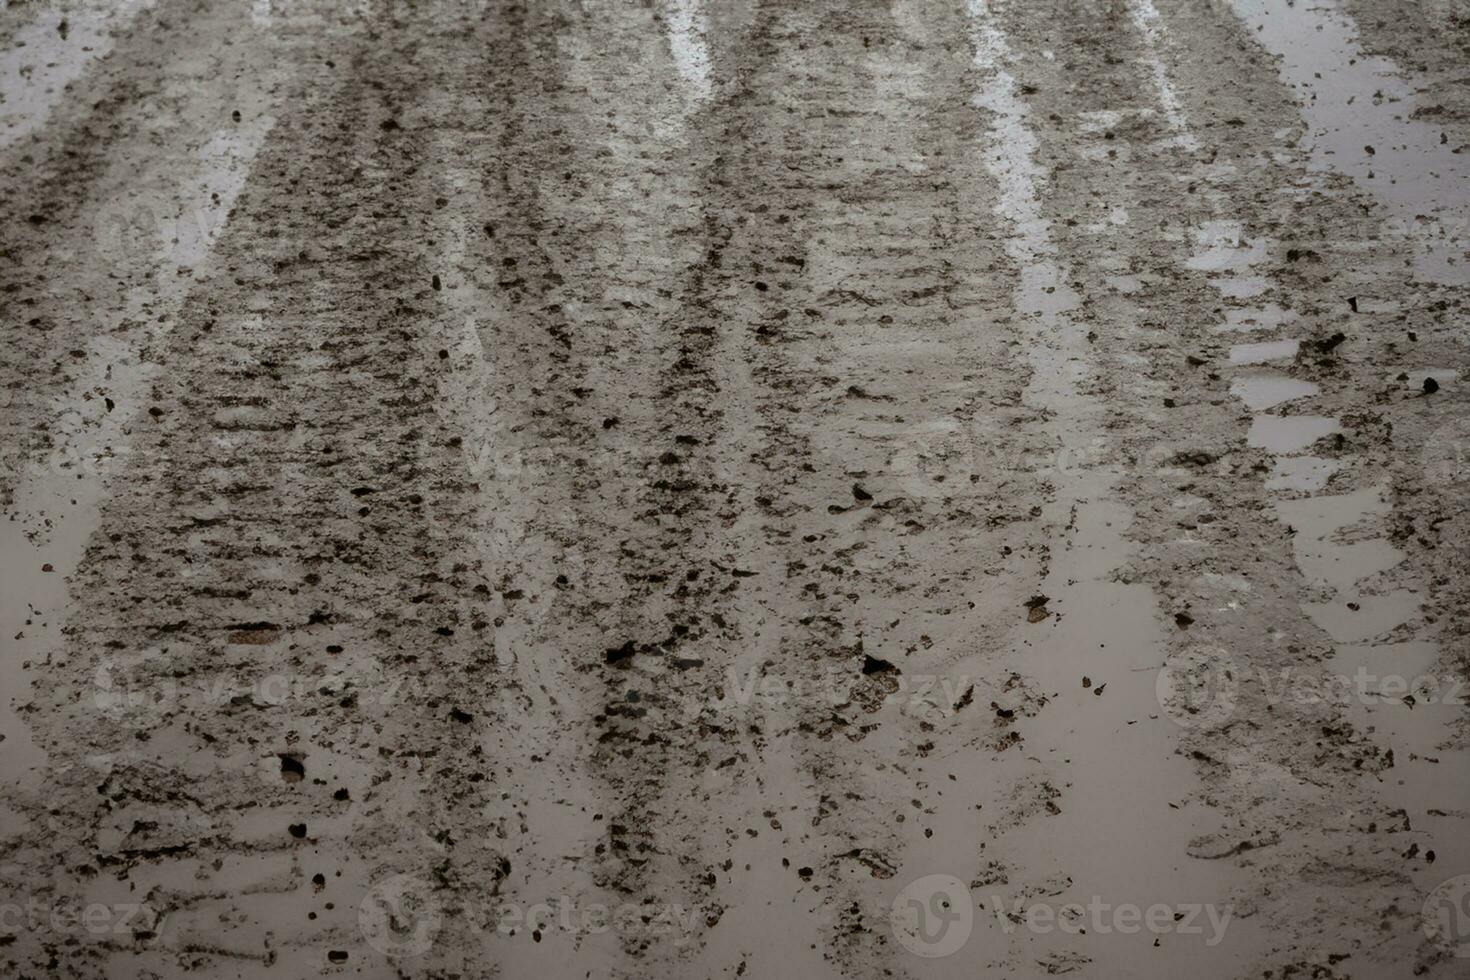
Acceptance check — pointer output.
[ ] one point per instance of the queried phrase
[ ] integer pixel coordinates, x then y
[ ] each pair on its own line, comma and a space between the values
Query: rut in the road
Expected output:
583, 488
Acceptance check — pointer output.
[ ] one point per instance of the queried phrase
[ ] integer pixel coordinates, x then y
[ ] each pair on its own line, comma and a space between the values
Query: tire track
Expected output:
850, 277
1114, 833
589, 273
1250, 288
95, 189
95, 404
36, 71
1358, 107
646, 490
279, 721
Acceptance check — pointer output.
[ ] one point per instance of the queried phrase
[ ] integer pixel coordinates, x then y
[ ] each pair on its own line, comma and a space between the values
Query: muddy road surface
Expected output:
778, 489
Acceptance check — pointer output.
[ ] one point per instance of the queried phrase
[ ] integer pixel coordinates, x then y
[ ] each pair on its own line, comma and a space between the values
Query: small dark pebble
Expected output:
293, 770
874, 665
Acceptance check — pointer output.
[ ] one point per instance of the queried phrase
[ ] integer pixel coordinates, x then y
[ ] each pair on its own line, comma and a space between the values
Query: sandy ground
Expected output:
763, 488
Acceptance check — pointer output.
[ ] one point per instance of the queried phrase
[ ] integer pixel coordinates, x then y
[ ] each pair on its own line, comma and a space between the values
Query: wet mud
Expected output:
864, 489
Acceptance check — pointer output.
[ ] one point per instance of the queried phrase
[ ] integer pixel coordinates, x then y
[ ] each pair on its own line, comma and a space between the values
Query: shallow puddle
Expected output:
686, 23
1305, 474
1268, 317
1100, 758
52, 51
1222, 246
1264, 353
1359, 110
1241, 287
1263, 391
1288, 433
